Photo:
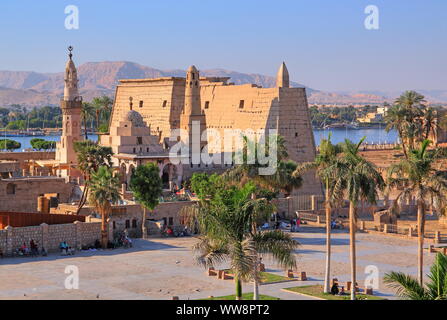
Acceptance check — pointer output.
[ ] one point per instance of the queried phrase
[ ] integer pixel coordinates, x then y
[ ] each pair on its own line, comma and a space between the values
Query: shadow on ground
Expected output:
140, 245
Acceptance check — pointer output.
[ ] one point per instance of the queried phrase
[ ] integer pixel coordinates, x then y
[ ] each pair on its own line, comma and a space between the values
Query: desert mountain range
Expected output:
100, 78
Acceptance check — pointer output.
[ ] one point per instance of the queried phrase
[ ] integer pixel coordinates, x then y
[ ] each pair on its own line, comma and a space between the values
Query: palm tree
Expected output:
361, 181
325, 168
411, 99
395, 119
104, 192
430, 119
225, 221
283, 178
411, 289
87, 111
416, 177
91, 156
406, 116
101, 104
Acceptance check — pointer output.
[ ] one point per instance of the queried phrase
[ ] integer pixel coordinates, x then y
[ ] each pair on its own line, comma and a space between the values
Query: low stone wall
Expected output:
26, 156
75, 234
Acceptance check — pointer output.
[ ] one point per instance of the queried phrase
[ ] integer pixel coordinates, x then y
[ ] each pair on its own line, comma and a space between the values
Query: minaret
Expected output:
192, 119
192, 92
282, 78
71, 106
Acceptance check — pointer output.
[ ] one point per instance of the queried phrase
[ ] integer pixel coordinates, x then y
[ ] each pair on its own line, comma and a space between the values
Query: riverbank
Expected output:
373, 136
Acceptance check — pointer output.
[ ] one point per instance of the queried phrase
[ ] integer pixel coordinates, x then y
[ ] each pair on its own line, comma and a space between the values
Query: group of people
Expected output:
32, 249
169, 232
336, 291
124, 240
66, 249
335, 224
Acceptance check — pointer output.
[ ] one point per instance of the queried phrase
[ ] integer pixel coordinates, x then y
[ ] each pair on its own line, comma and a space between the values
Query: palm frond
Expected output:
406, 286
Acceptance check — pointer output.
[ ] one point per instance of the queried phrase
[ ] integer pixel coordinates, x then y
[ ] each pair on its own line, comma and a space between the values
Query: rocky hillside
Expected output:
98, 78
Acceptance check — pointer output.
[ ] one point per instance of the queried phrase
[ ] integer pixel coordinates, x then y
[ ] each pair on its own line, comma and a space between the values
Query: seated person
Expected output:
24, 249
334, 289
70, 251
169, 231
333, 224
64, 247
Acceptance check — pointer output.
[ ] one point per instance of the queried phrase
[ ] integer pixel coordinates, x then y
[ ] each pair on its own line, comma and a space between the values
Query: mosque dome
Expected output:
135, 118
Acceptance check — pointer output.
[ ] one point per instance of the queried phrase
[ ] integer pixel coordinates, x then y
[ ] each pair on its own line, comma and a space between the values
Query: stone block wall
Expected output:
27, 190
75, 234
3, 239
16, 236
55, 234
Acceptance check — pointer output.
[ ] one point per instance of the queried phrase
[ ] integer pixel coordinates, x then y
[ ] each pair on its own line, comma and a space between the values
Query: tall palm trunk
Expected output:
83, 199
352, 229
104, 229
256, 264
404, 148
238, 288
143, 225
327, 274
421, 227
84, 121
97, 120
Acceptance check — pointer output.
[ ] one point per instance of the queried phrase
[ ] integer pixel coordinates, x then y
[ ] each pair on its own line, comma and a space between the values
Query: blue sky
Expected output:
324, 42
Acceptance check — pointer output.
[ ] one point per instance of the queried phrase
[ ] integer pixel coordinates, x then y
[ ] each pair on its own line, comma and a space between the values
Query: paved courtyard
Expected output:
162, 268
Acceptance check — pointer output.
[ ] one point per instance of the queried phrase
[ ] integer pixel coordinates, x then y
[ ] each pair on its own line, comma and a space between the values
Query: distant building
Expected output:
371, 117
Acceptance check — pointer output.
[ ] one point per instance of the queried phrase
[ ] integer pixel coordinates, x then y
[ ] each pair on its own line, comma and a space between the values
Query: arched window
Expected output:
10, 188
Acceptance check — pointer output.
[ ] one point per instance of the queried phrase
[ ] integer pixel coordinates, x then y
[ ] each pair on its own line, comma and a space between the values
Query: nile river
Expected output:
373, 135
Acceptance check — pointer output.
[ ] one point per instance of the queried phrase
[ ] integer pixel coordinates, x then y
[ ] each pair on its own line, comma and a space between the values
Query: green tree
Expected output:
104, 192
16, 125
407, 118
41, 144
102, 105
326, 168
225, 222
91, 156
417, 177
205, 185
147, 188
430, 123
410, 288
7, 144
281, 180
361, 181
87, 113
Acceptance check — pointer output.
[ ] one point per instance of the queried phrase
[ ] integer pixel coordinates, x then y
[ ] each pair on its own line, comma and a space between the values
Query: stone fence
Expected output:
76, 235
383, 228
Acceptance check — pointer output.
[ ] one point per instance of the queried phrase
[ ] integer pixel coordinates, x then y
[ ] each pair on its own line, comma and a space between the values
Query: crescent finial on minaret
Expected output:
70, 50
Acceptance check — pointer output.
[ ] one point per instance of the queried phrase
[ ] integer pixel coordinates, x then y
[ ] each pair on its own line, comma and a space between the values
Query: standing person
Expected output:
34, 248
298, 223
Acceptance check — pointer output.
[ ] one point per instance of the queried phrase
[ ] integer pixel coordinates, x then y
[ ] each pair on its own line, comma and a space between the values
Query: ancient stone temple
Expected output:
133, 144
71, 105
169, 103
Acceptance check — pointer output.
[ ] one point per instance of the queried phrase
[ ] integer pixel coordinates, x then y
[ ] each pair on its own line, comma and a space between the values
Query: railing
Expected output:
308, 202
